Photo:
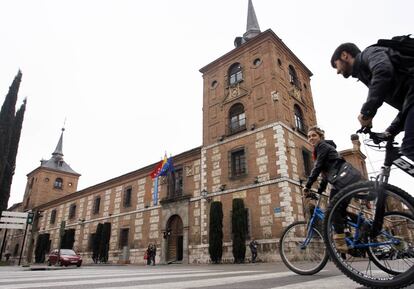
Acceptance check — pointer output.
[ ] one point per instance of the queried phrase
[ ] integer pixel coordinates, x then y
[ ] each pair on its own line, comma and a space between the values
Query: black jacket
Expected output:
327, 162
388, 76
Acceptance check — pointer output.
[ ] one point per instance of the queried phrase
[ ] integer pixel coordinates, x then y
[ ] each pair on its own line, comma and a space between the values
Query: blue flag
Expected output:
155, 193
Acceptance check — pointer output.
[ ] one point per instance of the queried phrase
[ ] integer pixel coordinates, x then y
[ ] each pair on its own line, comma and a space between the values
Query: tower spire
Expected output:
58, 153
252, 27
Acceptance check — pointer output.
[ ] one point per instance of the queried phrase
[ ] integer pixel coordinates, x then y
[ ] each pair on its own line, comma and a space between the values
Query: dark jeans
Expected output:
254, 256
407, 146
339, 218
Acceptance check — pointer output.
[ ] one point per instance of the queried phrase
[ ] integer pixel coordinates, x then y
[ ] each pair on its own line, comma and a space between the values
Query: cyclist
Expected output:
389, 77
328, 163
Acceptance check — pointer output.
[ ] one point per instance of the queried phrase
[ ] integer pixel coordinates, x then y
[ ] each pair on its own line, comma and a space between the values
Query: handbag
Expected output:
345, 176
145, 256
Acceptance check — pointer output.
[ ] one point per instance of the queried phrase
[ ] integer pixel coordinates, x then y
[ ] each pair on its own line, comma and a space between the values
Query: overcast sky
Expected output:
124, 74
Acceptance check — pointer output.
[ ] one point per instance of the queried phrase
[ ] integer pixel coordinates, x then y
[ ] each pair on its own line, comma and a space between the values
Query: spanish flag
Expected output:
158, 168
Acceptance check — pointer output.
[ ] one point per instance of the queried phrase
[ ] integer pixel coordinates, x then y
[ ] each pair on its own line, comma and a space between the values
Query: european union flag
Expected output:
168, 167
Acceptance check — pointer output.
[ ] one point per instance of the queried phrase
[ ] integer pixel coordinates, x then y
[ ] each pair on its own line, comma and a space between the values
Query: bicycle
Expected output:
388, 261
303, 251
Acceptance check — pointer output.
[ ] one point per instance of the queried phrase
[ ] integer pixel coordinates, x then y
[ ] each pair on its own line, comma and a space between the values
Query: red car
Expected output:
67, 257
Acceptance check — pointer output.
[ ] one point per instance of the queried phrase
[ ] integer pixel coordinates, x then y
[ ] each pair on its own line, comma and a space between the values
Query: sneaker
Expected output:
401, 245
340, 243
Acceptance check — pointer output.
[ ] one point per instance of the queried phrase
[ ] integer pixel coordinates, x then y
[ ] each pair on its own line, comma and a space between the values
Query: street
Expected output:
246, 276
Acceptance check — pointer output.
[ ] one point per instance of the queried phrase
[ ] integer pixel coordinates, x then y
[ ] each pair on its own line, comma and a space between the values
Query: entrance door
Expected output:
175, 239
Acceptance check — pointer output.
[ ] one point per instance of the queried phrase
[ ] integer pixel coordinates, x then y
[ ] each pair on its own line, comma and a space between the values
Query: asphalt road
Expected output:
245, 276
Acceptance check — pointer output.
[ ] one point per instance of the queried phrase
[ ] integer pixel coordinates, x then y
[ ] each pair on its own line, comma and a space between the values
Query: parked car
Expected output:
67, 257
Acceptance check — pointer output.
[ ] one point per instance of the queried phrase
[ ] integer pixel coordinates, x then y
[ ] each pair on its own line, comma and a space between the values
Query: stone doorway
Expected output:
174, 239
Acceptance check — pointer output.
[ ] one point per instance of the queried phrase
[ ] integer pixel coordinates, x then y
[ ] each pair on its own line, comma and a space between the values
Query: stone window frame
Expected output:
53, 214
58, 183
173, 178
127, 197
123, 239
96, 205
307, 161
237, 118
235, 74
300, 125
293, 77
72, 211
238, 157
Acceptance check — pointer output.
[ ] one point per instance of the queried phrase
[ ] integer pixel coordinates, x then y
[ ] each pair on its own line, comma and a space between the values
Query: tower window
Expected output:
279, 62
72, 211
237, 163
307, 164
214, 84
293, 77
299, 123
235, 74
257, 62
237, 118
58, 183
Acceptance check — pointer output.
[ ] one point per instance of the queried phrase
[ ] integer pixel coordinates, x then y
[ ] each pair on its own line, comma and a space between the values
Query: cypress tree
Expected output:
6, 123
6, 181
215, 248
239, 230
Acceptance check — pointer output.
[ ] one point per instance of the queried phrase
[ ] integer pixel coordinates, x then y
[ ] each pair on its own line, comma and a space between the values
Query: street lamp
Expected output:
204, 195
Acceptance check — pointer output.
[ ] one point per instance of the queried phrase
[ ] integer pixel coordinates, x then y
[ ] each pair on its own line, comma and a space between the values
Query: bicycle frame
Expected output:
353, 242
317, 213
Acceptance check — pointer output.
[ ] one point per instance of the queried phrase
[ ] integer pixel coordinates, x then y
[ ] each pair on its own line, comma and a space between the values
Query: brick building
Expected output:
257, 106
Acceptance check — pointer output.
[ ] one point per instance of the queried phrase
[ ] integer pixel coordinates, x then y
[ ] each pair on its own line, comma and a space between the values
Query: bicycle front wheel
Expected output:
302, 252
396, 254
363, 262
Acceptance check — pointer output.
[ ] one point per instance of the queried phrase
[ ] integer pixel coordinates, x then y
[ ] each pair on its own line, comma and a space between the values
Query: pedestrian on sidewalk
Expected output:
253, 248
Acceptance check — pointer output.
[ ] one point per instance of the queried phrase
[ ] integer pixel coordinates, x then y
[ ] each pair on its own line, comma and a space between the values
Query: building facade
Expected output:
257, 106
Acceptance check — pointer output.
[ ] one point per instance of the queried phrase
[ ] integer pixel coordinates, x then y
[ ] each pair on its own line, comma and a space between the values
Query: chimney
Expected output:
355, 142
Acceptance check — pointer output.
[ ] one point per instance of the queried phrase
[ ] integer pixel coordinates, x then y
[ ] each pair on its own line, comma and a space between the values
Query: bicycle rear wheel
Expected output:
363, 268
302, 253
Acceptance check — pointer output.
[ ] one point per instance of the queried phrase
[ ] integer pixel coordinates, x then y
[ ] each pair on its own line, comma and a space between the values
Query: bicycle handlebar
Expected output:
377, 137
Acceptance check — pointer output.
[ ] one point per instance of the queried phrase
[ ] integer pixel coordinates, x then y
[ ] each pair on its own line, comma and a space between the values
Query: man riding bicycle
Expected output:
389, 77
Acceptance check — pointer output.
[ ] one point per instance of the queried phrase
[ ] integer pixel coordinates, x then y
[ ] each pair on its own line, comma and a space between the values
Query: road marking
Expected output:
340, 281
131, 279
208, 282
24, 278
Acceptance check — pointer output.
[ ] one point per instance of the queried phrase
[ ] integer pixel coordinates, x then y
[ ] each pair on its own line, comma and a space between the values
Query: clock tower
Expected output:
53, 179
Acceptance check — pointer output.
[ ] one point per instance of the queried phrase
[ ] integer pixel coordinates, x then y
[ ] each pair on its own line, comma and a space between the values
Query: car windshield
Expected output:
67, 252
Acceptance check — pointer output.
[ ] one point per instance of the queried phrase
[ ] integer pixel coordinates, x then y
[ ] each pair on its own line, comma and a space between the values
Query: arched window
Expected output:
299, 123
237, 118
235, 74
58, 183
293, 77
